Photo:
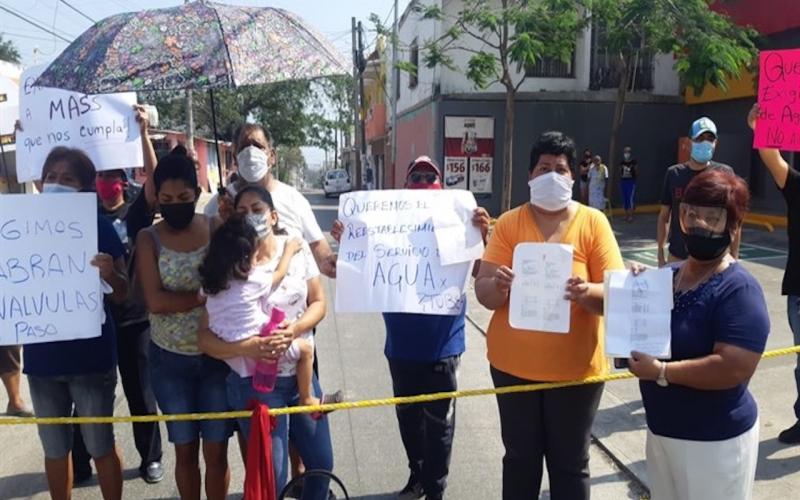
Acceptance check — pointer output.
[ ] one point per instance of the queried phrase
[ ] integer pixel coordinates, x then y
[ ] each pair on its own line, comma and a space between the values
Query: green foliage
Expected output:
293, 111
8, 51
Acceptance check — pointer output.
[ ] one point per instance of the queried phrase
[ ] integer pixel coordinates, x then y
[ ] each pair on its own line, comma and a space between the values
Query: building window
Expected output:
413, 78
604, 67
550, 67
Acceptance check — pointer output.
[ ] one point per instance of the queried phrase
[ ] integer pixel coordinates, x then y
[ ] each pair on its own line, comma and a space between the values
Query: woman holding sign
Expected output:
184, 379
79, 373
552, 424
702, 439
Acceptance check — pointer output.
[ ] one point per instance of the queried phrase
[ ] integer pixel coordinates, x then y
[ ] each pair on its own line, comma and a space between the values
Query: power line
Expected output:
19, 35
3, 7
76, 10
40, 21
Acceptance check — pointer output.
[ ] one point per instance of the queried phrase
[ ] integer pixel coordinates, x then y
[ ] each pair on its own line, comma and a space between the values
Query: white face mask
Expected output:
53, 187
551, 191
253, 163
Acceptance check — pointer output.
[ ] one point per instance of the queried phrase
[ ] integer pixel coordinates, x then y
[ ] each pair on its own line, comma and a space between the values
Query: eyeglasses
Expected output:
420, 177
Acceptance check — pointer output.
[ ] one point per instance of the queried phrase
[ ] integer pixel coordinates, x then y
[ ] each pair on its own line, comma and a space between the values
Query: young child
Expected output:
237, 292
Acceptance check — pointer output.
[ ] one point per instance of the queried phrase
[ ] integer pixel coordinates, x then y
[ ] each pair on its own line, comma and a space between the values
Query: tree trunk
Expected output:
616, 126
508, 152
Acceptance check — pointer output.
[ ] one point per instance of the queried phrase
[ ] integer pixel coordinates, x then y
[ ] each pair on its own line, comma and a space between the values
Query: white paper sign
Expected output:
537, 302
457, 237
638, 312
388, 256
103, 126
48, 290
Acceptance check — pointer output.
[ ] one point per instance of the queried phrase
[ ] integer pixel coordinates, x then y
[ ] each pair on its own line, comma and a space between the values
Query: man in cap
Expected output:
704, 141
424, 352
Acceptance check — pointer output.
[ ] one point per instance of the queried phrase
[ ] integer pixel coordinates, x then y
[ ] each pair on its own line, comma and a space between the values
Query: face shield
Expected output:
709, 222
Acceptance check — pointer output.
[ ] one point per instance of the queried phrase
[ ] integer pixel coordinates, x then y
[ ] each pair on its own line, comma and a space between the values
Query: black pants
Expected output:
132, 350
554, 425
427, 429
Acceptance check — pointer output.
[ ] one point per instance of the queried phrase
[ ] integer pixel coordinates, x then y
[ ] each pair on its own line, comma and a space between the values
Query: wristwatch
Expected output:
662, 375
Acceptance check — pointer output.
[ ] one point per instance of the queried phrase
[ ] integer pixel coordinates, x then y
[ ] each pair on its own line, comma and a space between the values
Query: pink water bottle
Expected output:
267, 372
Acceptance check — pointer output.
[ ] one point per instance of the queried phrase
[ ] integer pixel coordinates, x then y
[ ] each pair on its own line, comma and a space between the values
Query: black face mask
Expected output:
702, 246
178, 215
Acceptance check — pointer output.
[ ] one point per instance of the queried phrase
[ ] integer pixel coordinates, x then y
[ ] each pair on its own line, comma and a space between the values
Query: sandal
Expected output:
326, 399
20, 413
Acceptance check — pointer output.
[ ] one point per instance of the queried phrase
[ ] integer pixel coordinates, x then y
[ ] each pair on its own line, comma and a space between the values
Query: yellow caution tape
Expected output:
349, 405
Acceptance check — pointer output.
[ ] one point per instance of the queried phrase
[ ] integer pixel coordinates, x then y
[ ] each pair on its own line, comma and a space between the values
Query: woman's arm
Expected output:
114, 273
725, 368
157, 299
150, 159
259, 348
493, 285
313, 313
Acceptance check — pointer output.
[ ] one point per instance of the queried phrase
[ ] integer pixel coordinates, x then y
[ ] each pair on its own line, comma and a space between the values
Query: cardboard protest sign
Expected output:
103, 126
779, 100
48, 290
389, 260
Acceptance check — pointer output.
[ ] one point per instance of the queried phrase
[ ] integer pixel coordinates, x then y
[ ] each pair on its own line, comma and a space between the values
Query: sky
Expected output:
330, 17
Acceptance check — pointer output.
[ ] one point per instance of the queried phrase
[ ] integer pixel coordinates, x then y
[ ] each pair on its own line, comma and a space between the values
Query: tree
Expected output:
289, 163
511, 35
707, 46
332, 112
8, 51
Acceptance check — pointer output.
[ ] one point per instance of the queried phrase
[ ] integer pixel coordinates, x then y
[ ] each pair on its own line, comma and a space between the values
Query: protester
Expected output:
303, 300
553, 425
424, 352
254, 159
79, 374
628, 169
702, 440
131, 209
598, 178
10, 373
583, 170
704, 141
788, 181
184, 380
237, 289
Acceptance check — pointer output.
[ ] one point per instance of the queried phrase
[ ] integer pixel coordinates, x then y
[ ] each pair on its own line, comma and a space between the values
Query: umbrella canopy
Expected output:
200, 45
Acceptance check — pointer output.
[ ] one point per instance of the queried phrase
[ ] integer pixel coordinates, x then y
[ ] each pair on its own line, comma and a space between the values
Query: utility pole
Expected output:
362, 64
356, 107
395, 91
190, 121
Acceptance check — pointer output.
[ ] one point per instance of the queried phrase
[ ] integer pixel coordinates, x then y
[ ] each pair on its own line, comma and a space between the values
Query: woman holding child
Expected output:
252, 267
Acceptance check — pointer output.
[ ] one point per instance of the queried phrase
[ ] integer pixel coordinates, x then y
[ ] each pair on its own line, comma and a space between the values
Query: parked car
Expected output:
336, 181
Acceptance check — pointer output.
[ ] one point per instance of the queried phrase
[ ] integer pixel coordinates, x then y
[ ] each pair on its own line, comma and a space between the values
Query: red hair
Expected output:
720, 188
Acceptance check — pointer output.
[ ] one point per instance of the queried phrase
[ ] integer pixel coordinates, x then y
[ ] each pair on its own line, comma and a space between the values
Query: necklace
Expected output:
703, 278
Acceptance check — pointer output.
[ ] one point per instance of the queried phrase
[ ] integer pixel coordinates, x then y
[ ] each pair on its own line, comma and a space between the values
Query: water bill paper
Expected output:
537, 302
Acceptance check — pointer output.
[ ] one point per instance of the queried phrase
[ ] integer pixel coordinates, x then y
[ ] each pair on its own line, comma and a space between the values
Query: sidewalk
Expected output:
620, 426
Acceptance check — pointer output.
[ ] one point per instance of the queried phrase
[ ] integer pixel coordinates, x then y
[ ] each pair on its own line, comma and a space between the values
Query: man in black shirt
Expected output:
704, 141
788, 181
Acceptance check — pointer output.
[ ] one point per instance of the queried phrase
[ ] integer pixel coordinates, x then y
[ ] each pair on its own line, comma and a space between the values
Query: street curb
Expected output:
626, 471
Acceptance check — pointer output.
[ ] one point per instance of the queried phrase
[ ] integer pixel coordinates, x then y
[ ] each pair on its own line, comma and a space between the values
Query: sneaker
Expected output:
790, 435
412, 490
153, 473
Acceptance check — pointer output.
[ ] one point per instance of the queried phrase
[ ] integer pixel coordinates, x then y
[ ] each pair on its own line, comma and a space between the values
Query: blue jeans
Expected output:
312, 438
793, 311
190, 384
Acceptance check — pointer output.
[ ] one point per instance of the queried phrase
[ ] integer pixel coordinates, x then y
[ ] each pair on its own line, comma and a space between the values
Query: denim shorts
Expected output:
91, 395
190, 384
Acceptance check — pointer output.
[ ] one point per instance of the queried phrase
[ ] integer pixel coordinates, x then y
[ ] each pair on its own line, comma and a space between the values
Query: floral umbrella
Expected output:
200, 45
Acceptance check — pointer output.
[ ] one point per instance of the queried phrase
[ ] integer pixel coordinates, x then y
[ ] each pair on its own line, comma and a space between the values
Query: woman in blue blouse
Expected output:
702, 441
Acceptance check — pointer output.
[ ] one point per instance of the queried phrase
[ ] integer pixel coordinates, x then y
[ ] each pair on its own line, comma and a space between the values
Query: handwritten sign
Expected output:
779, 100
537, 302
638, 312
103, 126
389, 260
48, 290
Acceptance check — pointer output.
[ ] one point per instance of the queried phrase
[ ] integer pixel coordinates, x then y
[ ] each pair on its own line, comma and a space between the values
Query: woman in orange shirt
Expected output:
552, 424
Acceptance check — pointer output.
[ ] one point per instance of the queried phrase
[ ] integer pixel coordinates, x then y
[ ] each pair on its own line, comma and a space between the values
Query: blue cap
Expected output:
702, 125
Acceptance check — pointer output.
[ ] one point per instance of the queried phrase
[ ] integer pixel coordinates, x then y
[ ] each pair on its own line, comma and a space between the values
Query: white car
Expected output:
336, 182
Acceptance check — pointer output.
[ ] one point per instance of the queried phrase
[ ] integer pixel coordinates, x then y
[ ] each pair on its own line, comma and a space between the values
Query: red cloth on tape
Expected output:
259, 476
